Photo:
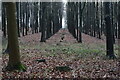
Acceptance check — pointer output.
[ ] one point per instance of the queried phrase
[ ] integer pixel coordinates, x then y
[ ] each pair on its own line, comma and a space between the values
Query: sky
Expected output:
64, 15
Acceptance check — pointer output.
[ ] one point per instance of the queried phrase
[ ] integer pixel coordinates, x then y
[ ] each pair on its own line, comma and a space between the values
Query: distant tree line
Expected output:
89, 18
44, 17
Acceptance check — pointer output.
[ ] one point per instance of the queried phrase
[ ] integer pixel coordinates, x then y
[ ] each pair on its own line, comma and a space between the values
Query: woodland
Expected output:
60, 40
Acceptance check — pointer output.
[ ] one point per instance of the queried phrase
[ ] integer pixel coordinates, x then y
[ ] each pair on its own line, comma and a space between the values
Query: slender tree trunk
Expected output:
119, 20
43, 24
80, 18
119, 29
101, 18
94, 29
26, 19
17, 8
23, 20
112, 22
77, 27
3, 19
97, 21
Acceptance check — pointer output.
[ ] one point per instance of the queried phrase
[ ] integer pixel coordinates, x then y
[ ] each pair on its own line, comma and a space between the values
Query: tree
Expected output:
97, 21
119, 20
14, 53
3, 19
71, 18
43, 24
17, 10
80, 17
109, 36
119, 27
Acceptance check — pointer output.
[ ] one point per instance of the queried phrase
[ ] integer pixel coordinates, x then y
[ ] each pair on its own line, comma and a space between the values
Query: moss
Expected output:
18, 66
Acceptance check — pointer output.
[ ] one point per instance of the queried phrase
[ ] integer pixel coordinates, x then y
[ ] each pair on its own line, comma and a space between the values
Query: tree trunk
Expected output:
3, 19
14, 53
97, 21
80, 18
43, 24
119, 29
17, 9
109, 36
119, 20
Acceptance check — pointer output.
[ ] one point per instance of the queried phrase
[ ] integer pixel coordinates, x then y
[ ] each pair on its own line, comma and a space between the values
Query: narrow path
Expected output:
63, 33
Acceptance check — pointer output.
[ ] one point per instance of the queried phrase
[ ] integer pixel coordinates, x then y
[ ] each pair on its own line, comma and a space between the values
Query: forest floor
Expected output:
87, 59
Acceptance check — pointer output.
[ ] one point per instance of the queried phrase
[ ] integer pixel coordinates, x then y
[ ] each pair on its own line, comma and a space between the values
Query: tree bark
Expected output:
43, 24
3, 19
109, 36
14, 53
119, 29
119, 20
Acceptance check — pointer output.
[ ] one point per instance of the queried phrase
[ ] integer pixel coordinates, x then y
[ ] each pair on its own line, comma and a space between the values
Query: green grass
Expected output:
79, 49
82, 50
